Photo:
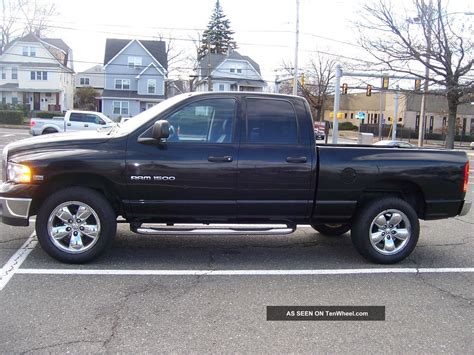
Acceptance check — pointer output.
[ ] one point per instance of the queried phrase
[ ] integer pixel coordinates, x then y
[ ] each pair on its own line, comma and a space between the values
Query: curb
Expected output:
14, 126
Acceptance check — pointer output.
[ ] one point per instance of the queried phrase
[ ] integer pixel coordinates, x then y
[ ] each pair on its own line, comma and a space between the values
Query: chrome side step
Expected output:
220, 229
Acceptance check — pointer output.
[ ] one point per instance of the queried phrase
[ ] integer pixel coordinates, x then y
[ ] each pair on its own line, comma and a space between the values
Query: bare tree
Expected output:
175, 56
425, 35
20, 17
320, 75
317, 82
10, 13
37, 15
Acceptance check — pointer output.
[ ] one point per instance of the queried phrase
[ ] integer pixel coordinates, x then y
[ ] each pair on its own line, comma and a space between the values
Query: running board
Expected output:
220, 230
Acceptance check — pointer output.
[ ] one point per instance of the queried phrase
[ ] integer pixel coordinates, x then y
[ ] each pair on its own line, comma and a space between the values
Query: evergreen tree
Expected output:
218, 35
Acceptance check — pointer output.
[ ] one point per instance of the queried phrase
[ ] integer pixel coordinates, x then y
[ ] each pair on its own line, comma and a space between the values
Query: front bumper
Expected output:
15, 211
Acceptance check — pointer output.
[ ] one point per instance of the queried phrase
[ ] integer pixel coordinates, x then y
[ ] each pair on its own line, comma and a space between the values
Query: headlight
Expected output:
18, 173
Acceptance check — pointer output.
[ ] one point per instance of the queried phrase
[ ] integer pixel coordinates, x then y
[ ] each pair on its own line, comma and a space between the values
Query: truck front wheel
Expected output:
75, 225
386, 230
332, 229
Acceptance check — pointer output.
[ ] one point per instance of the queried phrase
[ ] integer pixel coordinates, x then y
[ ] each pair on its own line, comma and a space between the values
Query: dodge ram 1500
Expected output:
233, 157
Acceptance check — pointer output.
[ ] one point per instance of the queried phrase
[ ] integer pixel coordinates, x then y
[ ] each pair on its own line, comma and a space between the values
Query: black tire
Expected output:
49, 131
332, 229
93, 241
366, 231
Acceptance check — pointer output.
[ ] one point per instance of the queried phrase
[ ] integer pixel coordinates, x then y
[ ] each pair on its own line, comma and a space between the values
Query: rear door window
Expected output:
271, 121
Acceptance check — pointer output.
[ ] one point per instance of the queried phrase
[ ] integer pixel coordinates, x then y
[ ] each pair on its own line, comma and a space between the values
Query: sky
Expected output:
264, 29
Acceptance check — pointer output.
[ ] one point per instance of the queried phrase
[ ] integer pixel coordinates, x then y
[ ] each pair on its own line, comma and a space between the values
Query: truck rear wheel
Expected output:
332, 229
386, 230
49, 131
75, 225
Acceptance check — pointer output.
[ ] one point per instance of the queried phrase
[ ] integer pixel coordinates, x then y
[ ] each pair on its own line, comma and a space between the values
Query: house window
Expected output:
122, 84
151, 86
84, 81
120, 107
232, 70
221, 87
134, 62
39, 75
4, 74
352, 115
14, 73
14, 100
149, 105
29, 51
239, 70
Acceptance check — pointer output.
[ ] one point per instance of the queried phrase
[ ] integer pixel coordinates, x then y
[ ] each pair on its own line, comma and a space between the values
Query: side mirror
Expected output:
161, 129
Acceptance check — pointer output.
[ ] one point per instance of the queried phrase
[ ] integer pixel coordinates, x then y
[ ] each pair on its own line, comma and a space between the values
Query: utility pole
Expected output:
295, 86
209, 82
422, 120
337, 93
395, 115
381, 108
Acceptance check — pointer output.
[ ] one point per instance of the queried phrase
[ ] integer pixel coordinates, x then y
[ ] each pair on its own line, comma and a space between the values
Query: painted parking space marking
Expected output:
14, 263
119, 272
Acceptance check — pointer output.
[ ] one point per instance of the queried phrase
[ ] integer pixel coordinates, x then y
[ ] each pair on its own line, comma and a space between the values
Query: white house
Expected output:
229, 72
37, 72
93, 77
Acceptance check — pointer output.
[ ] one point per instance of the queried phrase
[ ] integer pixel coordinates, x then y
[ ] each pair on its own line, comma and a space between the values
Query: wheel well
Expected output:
50, 129
95, 182
406, 190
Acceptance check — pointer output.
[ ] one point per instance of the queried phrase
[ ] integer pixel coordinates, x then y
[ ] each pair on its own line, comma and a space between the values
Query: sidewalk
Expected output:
352, 135
15, 126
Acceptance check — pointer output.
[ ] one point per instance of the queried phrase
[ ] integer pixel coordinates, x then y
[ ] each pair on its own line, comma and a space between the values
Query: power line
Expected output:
241, 43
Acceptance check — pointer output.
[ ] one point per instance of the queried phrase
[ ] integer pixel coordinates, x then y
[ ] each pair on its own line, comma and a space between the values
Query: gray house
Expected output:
135, 72
229, 72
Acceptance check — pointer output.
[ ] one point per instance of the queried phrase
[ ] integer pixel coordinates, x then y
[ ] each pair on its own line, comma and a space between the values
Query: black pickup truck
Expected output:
226, 158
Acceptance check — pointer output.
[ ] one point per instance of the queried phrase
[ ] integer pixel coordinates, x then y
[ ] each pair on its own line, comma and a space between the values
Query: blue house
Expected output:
135, 72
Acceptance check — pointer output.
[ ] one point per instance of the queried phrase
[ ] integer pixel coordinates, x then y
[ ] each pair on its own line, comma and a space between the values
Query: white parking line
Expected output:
240, 272
12, 265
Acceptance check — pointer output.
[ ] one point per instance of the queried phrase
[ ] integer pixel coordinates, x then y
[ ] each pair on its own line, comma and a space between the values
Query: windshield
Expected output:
140, 119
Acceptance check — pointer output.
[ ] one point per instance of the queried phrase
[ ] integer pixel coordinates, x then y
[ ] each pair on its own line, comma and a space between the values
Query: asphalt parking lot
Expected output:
209, 294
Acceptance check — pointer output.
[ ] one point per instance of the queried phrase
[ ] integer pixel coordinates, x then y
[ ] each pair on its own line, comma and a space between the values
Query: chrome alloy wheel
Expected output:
74, 227
390, 232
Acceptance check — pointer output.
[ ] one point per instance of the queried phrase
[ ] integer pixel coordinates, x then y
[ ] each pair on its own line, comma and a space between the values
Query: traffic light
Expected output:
417, 84
385, 82
369, 90
344, 89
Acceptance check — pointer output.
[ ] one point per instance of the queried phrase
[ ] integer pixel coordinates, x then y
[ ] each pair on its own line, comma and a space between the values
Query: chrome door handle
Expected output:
224, 159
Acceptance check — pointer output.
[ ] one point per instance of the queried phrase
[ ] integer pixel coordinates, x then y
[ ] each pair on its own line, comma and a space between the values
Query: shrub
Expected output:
11, 117
48, 114
347, 126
